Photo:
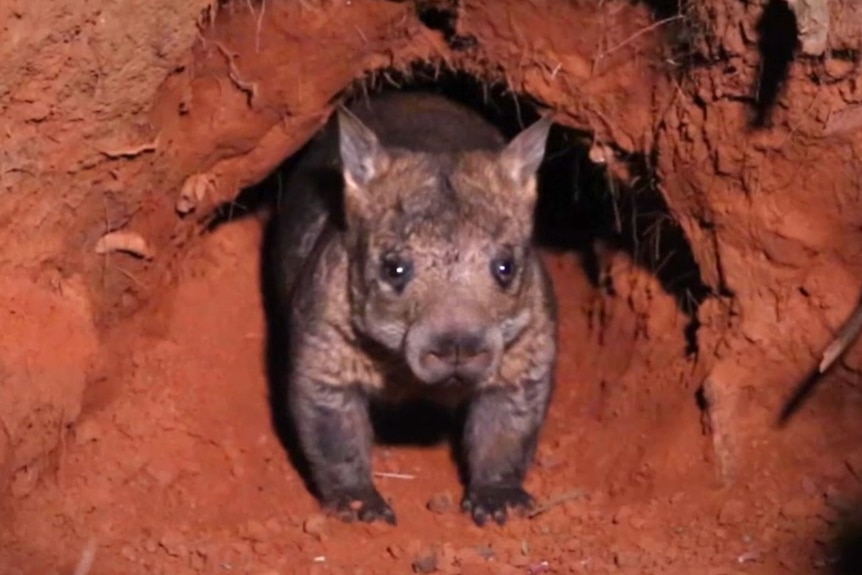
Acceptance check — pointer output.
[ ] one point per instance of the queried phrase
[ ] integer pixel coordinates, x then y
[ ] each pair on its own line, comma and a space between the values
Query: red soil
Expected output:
133, 400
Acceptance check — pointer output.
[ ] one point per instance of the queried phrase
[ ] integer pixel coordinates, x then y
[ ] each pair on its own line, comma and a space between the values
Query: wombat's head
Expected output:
442, 270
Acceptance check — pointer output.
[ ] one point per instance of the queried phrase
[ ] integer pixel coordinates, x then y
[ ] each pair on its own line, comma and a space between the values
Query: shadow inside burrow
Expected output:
778, 39
844, 554
578, 204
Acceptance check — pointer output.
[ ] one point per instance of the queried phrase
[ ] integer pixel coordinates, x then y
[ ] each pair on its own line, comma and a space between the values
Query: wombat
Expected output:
407, 270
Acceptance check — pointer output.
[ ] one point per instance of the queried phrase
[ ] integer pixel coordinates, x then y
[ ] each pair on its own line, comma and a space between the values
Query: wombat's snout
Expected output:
453, 341
465, 353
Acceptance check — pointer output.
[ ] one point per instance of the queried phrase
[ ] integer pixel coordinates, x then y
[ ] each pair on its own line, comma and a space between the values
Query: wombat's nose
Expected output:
464, 354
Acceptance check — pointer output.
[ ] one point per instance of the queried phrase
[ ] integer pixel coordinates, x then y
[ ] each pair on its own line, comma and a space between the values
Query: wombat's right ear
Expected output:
523, 155
362, 157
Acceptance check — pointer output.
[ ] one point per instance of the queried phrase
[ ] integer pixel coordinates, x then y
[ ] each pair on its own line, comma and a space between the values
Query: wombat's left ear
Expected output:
360, 150
523, 155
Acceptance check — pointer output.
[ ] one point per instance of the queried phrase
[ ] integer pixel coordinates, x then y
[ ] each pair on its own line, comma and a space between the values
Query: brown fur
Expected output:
430, 186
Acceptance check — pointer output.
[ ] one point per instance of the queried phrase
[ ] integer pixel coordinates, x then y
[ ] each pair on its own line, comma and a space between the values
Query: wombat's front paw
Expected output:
367, 506
492, 501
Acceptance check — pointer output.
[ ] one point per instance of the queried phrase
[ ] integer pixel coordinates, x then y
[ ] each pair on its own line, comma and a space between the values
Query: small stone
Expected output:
837, 501
414, 547
128, 553
172, 543
809, 487
242, 549
198, 560
637, 522
262, 548
163, 472
732, 513
622, 514
625, 559
87, 431
441, 503
315, 525
796, 509
447, 560
469, 556
426, 563
273, 526
255, 531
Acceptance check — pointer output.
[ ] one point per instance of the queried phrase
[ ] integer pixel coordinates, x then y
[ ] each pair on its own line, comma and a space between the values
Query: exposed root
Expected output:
602, 55
558, 500
128, 242
132, 152
248, 88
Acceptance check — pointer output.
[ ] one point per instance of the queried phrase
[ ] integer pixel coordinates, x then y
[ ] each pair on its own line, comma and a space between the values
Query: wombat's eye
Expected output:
396, 271
503, 270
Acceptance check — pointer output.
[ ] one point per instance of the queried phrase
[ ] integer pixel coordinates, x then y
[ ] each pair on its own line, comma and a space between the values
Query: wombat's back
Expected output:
313, 189
426, 122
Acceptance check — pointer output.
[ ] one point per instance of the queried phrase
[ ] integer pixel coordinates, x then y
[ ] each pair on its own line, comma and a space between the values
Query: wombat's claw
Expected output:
368, 507
492, 502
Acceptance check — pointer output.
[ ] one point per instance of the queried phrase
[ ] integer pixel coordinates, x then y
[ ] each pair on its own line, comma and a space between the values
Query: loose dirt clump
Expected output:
702, 222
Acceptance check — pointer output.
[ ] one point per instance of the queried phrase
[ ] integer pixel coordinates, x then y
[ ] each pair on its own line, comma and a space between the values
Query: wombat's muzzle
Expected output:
453, 340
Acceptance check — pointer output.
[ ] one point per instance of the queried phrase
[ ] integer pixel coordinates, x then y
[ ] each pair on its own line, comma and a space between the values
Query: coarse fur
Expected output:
406, 269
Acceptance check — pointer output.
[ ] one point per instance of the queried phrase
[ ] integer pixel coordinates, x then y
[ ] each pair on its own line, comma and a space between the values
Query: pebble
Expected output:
315, 526
796, 509
441, 503
469, 556
622, 515
255, 531
172, 543
838, 501
732, 513
625, 559
87, 431
198, 560
426, 563
273, 526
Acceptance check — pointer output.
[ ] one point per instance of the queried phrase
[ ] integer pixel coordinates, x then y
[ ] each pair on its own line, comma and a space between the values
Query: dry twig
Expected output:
558, 500
248, 88
394, 475
846, 336
635, 36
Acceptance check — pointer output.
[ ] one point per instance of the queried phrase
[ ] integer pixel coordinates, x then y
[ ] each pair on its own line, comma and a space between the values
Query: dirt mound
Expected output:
700, 216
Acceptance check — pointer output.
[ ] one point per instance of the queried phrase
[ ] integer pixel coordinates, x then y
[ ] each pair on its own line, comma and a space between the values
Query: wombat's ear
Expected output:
361, 154
523, 155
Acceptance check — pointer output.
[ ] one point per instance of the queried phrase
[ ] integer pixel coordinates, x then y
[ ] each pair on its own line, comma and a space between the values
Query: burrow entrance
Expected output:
164, 456
586, 219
